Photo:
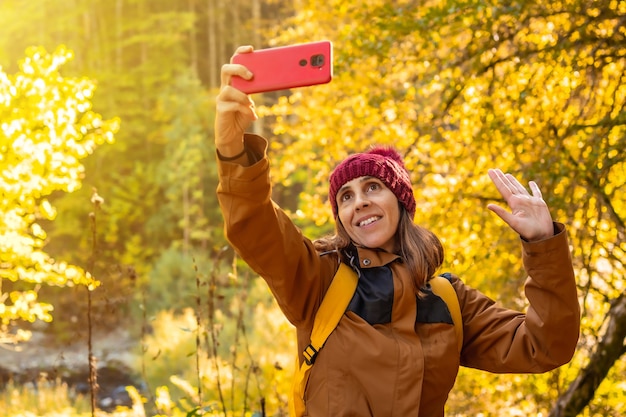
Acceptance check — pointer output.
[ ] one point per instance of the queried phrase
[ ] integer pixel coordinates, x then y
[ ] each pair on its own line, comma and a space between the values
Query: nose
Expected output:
362, 201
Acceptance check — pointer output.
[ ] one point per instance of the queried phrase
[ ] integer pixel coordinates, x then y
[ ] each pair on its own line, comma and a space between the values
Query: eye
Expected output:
373, 186
345, 197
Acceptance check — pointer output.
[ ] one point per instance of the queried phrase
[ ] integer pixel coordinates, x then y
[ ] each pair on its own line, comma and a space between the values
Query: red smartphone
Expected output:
285, 67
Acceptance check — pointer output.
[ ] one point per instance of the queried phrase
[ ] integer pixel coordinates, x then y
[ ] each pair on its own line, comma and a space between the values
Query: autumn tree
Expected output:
47, 127
537, 89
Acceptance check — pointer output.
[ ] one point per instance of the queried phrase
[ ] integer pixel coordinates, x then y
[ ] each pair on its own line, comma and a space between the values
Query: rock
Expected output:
42, 361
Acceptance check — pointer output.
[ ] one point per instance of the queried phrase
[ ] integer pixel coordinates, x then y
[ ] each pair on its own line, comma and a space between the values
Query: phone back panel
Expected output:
286, 67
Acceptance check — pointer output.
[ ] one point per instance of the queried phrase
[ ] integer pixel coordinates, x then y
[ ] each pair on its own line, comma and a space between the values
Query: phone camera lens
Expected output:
317, 60
303, 62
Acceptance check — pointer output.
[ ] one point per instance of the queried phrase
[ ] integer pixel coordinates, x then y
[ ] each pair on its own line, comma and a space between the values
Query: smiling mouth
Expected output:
368, 221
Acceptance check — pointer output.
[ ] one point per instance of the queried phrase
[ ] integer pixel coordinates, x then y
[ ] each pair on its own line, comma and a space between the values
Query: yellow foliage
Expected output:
458, 90
47, 126
252, 364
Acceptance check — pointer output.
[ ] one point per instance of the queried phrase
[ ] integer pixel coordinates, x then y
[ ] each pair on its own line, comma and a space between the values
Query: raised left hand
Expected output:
529, 215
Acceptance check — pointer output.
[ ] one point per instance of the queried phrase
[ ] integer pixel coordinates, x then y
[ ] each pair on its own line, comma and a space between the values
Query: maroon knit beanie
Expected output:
384, 163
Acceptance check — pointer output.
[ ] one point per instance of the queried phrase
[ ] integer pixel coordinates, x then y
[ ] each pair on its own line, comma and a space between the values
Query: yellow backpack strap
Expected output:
331, 310
442, 287
327, 318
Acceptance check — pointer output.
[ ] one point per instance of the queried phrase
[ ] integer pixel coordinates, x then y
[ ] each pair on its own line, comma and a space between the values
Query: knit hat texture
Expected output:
384, 163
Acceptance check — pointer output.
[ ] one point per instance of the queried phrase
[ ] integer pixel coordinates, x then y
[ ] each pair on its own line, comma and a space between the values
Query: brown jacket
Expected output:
399, 357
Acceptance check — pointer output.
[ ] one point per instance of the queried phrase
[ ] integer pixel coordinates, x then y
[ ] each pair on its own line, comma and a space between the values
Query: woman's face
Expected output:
370, 213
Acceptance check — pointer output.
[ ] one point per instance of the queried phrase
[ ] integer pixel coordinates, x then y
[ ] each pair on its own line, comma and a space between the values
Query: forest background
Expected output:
109, 218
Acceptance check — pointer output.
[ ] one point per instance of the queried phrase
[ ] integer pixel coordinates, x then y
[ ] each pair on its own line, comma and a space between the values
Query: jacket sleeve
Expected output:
266, 238
506, 341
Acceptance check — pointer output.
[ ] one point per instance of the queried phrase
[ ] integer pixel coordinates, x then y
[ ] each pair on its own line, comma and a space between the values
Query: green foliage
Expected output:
187, 173
47, 128
172, 281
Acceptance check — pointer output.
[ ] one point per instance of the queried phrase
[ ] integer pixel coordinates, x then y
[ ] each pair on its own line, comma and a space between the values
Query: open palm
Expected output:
529, 215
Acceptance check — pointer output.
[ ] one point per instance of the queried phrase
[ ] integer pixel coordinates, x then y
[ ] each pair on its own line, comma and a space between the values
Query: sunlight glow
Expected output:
9, 129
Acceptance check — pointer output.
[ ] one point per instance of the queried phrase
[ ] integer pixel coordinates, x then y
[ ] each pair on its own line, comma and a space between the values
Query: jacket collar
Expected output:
371, 258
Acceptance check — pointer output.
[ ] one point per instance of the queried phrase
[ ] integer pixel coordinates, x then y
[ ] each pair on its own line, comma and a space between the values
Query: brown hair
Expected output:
420, 249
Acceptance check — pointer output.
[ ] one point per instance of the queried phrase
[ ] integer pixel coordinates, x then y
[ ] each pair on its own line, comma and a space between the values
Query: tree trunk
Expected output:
193, 47
608, 351
212, 44
222, 54
236, 22
119, 16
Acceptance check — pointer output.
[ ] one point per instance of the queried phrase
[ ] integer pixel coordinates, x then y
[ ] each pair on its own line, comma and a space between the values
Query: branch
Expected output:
608, 351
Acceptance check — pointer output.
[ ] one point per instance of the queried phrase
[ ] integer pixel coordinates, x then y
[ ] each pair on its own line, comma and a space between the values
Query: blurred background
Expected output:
112, 257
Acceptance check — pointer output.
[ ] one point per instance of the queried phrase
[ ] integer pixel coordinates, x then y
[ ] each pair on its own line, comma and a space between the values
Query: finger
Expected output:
229, 93
515, 186
535, 189
500, 181
227, 106
502, 213
231, 99
230, 70
243, 49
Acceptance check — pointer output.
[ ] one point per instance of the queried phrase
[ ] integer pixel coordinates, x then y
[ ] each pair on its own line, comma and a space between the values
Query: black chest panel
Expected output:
373, 298
431, 308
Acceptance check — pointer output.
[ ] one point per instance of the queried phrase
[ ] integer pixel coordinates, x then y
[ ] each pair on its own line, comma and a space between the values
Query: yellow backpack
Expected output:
332, 309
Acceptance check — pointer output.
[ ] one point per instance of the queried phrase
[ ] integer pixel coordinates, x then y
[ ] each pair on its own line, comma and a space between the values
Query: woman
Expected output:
394, 352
